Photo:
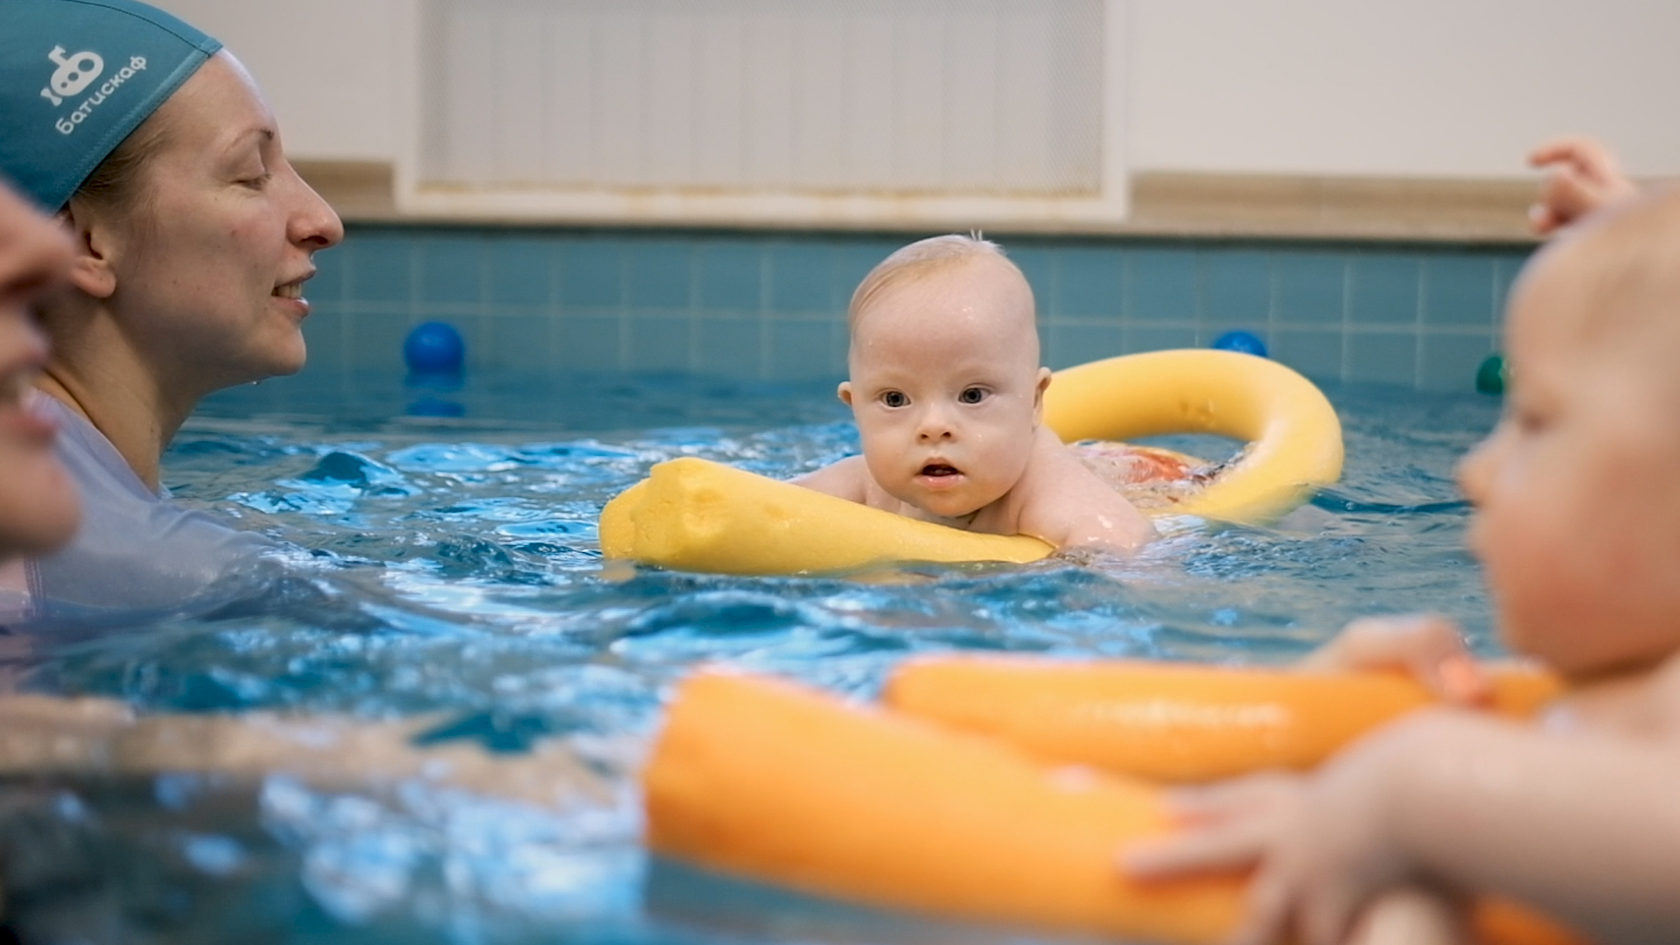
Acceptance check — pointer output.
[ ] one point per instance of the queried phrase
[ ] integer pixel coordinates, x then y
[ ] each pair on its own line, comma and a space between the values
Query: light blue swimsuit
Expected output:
138, 554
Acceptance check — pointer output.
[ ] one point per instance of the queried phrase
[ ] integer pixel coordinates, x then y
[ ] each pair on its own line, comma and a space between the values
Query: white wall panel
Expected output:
1453, 88
885, 97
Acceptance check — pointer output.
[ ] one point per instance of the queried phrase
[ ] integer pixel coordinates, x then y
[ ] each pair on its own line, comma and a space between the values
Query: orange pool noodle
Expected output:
765, 780
770, 781
1172, 721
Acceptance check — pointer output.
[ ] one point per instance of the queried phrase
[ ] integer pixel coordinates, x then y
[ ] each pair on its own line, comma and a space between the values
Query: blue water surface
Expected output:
445, 566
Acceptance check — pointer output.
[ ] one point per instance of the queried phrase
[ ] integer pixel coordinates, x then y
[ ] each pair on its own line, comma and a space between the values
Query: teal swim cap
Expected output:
76, 76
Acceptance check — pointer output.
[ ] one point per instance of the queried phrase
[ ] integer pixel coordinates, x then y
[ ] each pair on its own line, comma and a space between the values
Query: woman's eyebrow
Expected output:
264, 133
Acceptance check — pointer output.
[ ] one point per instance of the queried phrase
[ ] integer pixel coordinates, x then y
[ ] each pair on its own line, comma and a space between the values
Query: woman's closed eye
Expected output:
252, 173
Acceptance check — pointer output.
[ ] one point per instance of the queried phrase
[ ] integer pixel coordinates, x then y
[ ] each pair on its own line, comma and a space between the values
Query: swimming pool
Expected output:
446, 562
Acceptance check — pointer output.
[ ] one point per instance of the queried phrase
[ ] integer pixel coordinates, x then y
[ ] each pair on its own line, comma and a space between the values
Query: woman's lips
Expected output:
291, 295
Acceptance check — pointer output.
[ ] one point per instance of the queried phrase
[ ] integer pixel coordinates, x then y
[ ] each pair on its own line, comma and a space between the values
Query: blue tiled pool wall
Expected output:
771, 305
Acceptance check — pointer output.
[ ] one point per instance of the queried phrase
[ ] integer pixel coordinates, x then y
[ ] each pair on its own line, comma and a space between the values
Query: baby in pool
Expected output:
948, 394
1577, 527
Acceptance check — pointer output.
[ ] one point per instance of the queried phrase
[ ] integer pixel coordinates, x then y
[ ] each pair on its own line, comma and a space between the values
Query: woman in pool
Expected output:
43, 734
193, 238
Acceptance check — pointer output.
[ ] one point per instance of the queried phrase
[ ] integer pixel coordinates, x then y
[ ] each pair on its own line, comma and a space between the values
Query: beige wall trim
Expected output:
1162, 204
1332, 207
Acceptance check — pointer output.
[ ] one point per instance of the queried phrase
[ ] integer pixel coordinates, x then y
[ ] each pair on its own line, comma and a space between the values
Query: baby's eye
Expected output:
895, 398
972, 395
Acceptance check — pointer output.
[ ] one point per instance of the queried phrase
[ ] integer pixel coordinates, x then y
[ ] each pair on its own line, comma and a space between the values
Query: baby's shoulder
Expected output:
1056, 469
1054, 482
847, 478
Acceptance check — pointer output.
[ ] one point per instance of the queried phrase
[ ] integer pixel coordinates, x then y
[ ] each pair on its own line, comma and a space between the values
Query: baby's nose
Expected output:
935, 425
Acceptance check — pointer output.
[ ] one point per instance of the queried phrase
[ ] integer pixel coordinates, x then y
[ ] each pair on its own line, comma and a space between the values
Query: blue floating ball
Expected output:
436, 407
434, 348
1246, 342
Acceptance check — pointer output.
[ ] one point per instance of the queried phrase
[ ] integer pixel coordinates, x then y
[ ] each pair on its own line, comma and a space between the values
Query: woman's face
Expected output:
38, 505
211, 254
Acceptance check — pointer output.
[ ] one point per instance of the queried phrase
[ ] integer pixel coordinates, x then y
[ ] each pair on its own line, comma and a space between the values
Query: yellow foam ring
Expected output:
765, 780
695, 515
1294, 436
1176, 722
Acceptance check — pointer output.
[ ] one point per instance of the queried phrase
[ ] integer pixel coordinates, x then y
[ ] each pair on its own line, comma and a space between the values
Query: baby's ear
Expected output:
1038, 395
844, 392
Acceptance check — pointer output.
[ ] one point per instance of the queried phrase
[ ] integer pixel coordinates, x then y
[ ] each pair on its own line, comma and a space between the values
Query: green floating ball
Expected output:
1490, 377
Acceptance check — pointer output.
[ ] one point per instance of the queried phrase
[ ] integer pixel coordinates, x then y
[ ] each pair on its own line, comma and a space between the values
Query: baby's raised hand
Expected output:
1581, 176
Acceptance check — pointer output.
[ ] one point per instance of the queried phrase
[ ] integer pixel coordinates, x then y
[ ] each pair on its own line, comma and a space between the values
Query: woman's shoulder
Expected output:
136, 549
91, 459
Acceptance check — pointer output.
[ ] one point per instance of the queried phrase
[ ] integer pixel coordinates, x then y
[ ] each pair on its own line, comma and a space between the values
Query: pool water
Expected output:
444, 561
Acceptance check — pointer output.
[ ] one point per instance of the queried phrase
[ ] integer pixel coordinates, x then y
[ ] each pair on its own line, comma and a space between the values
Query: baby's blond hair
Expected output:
919, 258
1611, 288
1629, 259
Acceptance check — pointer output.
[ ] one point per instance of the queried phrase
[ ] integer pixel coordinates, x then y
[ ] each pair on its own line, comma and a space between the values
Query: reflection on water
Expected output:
447, 565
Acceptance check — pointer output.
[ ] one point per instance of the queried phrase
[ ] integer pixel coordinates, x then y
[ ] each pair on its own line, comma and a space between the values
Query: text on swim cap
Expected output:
75, 73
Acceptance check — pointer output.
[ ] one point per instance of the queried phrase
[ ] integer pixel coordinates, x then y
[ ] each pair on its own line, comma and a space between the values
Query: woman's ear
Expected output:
90, 270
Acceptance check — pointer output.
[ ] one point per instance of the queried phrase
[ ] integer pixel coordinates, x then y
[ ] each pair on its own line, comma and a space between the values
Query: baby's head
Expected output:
1578, 514
945, 384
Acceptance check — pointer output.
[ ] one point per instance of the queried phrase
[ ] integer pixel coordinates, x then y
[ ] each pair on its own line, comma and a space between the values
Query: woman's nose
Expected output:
38, 252
314, 222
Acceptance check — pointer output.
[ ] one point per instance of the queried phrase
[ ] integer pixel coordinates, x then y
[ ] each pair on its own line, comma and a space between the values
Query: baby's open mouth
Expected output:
939, 469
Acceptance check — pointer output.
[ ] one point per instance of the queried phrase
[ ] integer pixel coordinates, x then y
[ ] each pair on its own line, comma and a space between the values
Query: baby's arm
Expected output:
1067, 505
848, 479
1580, 825
97, 736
